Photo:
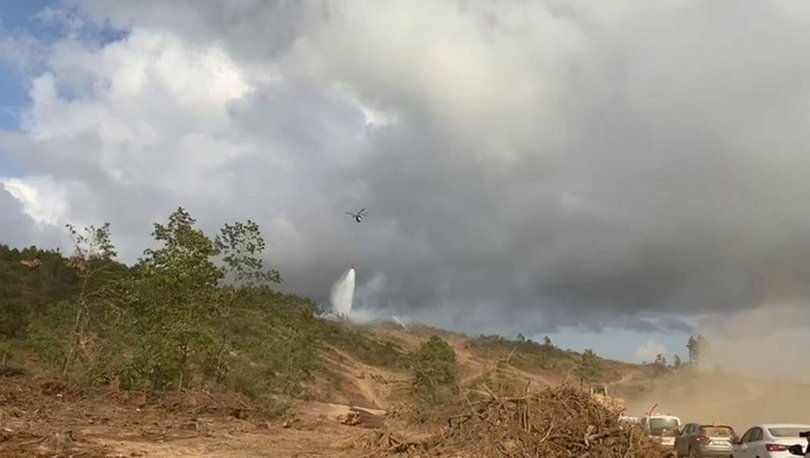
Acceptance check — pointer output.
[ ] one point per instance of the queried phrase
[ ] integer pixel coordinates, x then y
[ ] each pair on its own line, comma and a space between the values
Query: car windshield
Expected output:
717, 431
788, 431
659, 425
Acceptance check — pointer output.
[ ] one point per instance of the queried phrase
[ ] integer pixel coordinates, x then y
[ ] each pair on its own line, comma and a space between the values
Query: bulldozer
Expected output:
599, 392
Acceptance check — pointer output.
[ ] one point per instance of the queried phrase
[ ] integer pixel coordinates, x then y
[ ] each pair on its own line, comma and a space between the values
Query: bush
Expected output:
434, 370
363, 348
589, 366
14, 316
49, 334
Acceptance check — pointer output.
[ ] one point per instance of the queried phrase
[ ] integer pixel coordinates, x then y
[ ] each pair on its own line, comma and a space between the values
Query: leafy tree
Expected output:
698, 348
51, 334
521, 337
170, 299
241, 246
659, 364
676, 363
546, 341
31, 280
434, 369
691, 346
589, 365
93, 251
273, 344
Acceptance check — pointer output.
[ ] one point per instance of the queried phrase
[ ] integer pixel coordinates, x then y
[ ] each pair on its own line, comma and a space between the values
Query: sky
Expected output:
616, 175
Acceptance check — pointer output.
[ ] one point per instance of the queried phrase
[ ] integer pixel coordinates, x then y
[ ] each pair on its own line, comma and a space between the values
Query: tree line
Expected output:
194, 312
187, 313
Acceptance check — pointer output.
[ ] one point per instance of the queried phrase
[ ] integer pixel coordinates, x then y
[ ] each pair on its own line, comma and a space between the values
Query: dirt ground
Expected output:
39, 418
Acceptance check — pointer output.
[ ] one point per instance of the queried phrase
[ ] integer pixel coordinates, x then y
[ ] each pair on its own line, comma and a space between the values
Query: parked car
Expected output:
770, 440
662, 428
698, 441
798, 449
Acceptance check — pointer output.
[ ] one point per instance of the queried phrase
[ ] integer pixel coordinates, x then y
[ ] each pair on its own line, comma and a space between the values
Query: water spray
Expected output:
343, 293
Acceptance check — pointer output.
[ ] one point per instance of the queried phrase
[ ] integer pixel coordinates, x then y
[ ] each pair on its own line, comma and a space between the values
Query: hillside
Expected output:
361, 366
203, 312
193, 352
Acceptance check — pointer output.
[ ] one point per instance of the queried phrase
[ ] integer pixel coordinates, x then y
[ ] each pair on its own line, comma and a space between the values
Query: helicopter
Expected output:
359, 215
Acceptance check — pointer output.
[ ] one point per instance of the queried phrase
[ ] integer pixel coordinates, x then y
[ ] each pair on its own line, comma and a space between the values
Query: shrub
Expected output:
434, 370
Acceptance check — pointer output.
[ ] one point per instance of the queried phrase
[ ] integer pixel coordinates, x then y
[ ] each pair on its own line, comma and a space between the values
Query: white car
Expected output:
770, 440
662, 428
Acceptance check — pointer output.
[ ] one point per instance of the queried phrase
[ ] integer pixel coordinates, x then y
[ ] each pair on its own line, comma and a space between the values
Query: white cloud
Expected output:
42, 200
156, 112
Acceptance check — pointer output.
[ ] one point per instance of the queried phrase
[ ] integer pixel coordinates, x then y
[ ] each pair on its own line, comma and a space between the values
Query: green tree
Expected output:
699, 349
546, 341
171, 299
240, 246
434, 369
31, 280
93, 251
660, 364
589, 365
521, 337
691, 346
676, 363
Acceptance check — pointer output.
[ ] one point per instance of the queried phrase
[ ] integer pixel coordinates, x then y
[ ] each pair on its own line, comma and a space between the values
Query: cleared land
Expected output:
40, 416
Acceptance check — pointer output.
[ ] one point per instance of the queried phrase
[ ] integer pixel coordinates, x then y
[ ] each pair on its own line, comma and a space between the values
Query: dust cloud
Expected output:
739, 402
770, 342
756, 370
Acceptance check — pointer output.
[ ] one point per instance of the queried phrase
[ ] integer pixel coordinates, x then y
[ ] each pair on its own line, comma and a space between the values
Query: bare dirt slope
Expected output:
700, 397
40, 418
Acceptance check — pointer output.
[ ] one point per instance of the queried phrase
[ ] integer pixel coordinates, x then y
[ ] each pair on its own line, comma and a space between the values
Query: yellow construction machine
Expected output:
599, 392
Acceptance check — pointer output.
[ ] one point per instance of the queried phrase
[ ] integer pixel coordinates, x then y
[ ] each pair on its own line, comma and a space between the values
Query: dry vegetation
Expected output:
562, 421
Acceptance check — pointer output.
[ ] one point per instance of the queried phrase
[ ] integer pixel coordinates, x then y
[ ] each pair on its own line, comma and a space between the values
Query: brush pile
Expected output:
563, 421
557, 422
